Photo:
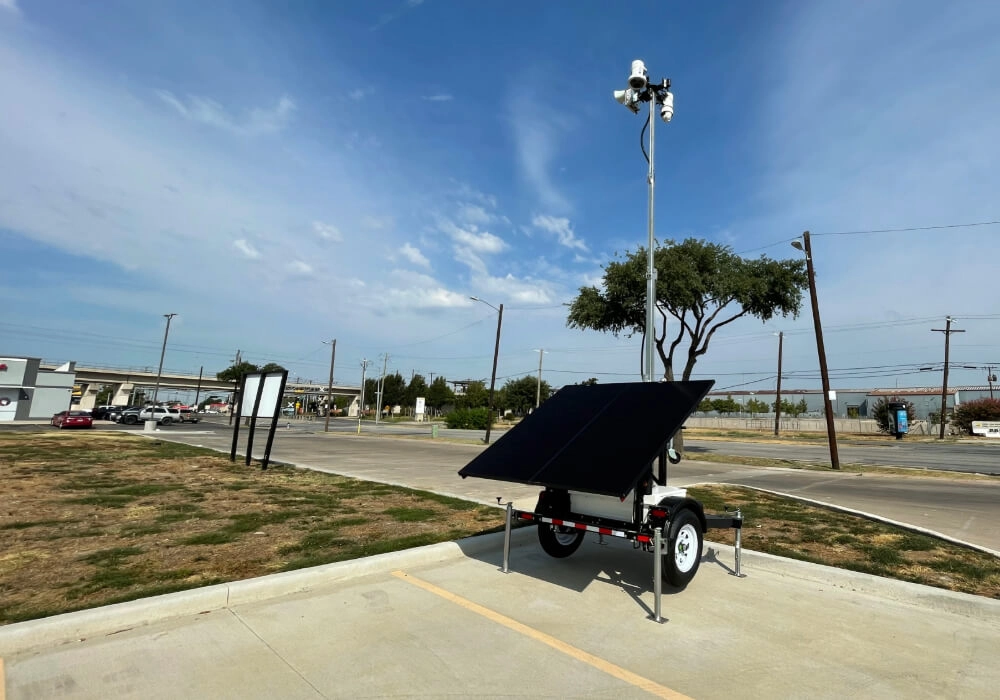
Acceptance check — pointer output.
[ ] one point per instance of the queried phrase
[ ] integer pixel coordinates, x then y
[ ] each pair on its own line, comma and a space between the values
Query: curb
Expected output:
27, 636
915, 594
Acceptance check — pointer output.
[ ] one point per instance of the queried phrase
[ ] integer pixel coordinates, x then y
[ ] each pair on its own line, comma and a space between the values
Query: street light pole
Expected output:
777, 397
831, 429
163, 352
496, 354
329, 389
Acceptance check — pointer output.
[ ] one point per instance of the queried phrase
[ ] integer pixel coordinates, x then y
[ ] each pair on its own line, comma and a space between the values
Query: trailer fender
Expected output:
667, 509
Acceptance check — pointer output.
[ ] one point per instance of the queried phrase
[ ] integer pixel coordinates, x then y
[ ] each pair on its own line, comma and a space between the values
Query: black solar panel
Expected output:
599, 438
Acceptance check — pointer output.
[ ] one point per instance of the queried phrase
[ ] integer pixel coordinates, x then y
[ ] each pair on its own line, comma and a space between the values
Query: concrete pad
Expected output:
771, 634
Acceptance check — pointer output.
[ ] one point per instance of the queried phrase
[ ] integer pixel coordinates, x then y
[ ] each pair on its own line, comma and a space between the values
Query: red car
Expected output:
72, 419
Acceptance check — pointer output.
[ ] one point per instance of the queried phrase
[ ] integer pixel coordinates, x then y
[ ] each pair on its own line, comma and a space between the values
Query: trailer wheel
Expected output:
559, 541
683, 555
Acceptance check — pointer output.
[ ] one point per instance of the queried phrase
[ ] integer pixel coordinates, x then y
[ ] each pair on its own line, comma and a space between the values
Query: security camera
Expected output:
639, 78
667, 107
628, 98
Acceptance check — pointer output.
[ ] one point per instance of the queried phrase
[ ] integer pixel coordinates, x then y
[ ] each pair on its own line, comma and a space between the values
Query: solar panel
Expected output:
600, 439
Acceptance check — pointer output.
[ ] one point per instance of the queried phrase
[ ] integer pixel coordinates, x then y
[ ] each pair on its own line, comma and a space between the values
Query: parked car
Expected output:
72, 419
115, 414
101, 412
163, 416
188, 416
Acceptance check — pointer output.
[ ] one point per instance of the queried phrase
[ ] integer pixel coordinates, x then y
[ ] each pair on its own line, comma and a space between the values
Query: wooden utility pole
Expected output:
947, 330
538, 390
329, 389
777, 397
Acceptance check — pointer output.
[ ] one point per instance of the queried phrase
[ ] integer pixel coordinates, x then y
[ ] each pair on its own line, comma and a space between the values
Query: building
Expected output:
28, 392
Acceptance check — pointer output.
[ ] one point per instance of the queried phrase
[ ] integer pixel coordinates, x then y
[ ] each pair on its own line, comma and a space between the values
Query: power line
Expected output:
908, 229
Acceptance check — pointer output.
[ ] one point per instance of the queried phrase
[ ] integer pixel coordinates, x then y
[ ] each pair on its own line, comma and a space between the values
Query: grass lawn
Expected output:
99, 518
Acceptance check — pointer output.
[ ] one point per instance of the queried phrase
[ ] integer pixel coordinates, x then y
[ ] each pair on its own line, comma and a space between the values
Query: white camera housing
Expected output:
629, 98
639, 77
667, 107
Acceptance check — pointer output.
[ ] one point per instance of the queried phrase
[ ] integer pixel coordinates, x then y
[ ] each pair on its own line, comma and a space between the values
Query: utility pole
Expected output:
380, 388
236, 388
947, 330
197, 393
538, 391
329, 389
163, 352
361, 405
777, 398
990, 377
831, 429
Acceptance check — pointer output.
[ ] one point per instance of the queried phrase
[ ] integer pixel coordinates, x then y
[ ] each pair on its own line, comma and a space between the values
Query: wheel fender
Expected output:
675, 504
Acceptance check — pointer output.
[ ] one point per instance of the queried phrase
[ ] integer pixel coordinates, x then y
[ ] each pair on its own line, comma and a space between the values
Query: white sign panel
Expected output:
989, 428
833, 395
421, 402
269, 399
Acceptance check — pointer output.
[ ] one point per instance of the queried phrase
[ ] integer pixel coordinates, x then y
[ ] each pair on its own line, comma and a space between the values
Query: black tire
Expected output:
167, 420
130, 420
684, 545
559, 541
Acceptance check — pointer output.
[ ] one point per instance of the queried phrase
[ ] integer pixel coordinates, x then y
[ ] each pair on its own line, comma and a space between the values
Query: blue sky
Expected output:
279, 174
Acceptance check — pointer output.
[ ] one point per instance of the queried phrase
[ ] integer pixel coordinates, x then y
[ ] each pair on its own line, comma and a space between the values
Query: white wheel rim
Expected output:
563, 537
686, 548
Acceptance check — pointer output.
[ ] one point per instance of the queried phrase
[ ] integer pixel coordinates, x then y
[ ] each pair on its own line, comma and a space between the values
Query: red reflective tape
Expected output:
579, 526
605, 530
526, 516
643, 538
556, 521
657, 513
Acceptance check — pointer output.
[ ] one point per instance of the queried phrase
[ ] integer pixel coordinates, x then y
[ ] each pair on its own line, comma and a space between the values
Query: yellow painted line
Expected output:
660, 691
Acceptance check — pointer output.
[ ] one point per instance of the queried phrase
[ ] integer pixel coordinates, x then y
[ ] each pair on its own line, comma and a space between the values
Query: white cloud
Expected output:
414, 255
377, 223
207, 111
473, 239
327, 232
537, 133
475, 214
562, 229
358, 94
440, 97
412, 290
246, 248
10, 6
298, 267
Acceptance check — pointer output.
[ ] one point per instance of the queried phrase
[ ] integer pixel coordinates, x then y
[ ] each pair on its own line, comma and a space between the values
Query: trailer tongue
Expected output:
600, 453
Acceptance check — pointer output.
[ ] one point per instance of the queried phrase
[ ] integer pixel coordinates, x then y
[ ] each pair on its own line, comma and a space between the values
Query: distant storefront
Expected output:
28, 392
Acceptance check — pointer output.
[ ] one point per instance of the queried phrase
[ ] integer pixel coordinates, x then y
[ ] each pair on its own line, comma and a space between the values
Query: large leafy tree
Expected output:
519, 394
439, 394
393, 390
235, 371
704, 286
416, 388
476, 396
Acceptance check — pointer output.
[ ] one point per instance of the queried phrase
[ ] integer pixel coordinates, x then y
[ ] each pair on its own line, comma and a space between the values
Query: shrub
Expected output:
880, 412
980, 409
468, 418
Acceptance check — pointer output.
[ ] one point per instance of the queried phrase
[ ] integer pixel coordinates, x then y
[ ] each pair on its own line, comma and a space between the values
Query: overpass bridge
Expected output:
125, 381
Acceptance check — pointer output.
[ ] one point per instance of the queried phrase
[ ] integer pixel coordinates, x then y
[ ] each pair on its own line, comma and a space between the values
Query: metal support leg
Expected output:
739, 546
657, 573
506, 537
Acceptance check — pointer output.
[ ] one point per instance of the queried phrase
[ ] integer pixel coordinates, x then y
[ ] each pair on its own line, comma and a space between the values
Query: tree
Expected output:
703, 285
726, 405
880, 412
371, 393
393, 390
476, 396
271, 367
705, 406
236, 371
756, 406
519, 394
416, 388
589, 382
980, 409
105, 395
439, 394
791, 409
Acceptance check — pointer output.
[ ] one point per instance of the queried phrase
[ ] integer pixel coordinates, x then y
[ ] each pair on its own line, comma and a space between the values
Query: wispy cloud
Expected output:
537, 132
298, 267
328, 232
358, 94
440, 97
414, 255
10, 6
561, 228
387, 17
413, 290
207, 111
246, 248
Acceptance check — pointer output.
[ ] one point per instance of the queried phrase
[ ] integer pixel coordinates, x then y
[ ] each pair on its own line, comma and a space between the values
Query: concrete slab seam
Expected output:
864, 514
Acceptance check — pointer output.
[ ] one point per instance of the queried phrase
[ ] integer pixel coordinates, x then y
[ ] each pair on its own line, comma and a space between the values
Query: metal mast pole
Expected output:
650, 267
329, 388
